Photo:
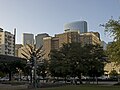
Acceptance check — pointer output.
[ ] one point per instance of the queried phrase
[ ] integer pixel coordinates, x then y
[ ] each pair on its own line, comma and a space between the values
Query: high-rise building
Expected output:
28, 39
81, 26
39, 39
68, 36
7, 43
51, 43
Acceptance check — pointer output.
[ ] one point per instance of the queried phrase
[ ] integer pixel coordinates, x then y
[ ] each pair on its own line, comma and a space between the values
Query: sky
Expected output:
49, 16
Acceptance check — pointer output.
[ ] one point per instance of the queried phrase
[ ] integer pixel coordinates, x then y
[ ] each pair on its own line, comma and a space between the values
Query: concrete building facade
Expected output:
69, 36
20, 51
28, 39
7, 43
39, 39
50, 43
90, 38
17, 46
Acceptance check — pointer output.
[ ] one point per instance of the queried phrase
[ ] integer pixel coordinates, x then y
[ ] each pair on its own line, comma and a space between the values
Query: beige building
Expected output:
68, 36
90, 38
21, 51
7, 43
50, 43
26, 51
17, 46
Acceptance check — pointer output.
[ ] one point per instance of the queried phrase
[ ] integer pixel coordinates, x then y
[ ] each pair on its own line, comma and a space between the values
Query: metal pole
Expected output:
35, 75
14, 39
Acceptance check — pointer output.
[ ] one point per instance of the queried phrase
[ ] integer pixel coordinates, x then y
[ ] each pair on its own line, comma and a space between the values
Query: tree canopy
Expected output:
113, 50
74, 60
10, 65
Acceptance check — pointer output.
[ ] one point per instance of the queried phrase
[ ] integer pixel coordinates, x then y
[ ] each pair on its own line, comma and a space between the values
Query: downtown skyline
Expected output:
45, 16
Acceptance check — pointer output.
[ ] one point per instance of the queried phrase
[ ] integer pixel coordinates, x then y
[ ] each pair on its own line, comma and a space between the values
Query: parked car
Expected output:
4, 79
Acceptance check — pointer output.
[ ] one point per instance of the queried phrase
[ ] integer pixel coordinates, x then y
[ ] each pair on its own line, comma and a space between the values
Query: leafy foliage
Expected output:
113, 28
42, 69
75, 60
10, 67
113, 73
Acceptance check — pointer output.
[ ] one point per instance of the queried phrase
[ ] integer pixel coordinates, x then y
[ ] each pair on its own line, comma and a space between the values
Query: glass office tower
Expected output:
81, 26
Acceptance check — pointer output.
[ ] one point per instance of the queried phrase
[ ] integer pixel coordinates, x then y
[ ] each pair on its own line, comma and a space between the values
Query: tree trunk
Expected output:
80, 80
10, 75
31, 77
65, 80
93, 79
43, 78
97, 80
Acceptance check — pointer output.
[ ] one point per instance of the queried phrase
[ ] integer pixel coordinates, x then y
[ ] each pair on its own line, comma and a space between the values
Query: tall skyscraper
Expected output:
39, 39
7, 41
28, 39
81, 26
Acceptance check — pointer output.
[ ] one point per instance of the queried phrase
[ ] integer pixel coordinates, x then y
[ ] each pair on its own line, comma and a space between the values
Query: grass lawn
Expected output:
81, 87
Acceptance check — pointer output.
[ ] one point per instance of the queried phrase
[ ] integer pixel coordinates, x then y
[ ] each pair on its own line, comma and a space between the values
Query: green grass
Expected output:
85, 88
74, 87
82, 87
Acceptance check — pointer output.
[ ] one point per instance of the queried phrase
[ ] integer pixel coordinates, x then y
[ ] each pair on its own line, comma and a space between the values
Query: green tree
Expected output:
67, 61
58, 66
113, 74
2, 74
113, 28
75, 60
95, 60
42, 69
10, 67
